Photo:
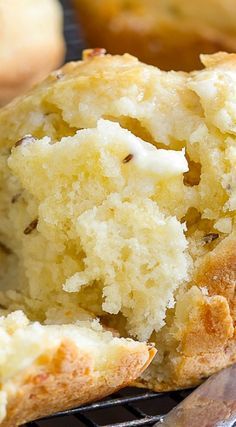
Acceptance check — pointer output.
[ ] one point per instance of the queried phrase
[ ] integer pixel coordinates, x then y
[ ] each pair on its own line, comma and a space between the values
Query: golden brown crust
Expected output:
68, 379
217, 272
208, 345
207, 340
219, 59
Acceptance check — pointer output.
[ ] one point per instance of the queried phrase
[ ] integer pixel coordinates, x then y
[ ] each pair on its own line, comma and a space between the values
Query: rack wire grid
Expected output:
130, 407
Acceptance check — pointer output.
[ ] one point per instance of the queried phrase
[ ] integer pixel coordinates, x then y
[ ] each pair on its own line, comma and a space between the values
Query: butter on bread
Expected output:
121, 201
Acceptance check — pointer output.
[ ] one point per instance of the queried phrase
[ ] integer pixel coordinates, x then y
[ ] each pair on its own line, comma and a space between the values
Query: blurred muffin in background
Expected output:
168, 33
31, 43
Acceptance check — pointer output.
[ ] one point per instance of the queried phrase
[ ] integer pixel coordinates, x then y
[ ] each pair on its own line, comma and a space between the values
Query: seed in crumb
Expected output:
98, 51
5, 249
59, 75
128, 158
31, 226
25, 140
15, 198
208, 238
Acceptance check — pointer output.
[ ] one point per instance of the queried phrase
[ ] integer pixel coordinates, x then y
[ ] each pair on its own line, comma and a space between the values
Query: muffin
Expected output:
118, 198
170, 34
48, 368
31, 44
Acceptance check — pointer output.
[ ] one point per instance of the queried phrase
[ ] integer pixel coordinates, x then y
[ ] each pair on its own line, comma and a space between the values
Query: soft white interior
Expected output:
95, 218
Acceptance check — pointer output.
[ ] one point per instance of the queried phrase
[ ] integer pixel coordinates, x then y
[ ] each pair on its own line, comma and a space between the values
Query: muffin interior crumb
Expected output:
123, 192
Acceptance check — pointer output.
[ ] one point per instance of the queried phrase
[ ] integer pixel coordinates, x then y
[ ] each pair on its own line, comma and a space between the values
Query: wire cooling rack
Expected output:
73, 36
130, 407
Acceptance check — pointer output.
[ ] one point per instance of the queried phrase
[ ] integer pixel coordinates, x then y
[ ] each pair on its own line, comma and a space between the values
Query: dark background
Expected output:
73, 36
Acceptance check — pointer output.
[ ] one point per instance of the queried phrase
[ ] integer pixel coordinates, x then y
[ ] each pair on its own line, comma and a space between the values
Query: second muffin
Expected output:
168, 33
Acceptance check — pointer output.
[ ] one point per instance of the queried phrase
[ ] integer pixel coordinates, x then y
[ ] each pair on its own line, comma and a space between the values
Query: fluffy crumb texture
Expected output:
118, 200
170, 34
93, 195
72, 364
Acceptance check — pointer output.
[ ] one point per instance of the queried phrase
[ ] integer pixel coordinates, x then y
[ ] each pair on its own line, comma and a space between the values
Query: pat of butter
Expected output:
161, 162
145, 156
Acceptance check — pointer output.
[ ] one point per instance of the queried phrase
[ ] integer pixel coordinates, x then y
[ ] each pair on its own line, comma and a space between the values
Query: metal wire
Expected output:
74, 40
135, 407
130, 407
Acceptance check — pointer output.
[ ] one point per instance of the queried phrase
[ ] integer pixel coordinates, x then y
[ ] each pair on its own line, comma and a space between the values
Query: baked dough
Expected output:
170, 34
31, 44
45, 369
118, 196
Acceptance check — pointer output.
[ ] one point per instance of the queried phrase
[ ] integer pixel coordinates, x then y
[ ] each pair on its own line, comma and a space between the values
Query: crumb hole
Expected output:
193, 176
